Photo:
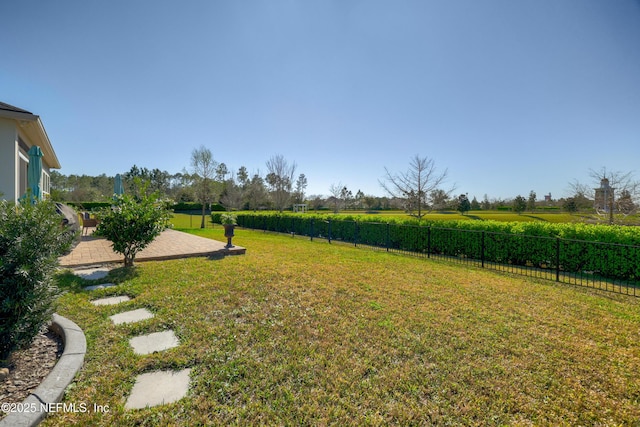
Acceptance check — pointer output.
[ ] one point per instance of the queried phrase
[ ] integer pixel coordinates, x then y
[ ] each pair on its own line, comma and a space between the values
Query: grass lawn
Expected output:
307, 333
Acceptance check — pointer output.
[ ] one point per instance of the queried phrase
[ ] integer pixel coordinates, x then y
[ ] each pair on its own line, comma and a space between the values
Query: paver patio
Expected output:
170, 244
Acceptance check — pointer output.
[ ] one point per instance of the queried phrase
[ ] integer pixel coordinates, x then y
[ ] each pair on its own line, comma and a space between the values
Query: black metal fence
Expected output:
605, 266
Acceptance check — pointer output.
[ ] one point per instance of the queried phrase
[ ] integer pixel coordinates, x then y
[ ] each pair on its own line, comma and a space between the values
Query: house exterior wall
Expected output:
8, 160
14, 159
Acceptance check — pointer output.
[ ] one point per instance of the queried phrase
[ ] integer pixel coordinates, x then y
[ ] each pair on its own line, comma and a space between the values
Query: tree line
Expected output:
417, 191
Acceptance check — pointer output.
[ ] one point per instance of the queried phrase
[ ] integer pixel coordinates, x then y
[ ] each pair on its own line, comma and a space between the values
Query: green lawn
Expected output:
307, 333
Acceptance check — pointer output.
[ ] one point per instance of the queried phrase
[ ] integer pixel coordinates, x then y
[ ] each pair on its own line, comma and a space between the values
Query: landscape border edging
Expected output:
51, 390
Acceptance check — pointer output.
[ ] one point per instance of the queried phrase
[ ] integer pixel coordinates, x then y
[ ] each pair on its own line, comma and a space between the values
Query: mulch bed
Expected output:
29, 367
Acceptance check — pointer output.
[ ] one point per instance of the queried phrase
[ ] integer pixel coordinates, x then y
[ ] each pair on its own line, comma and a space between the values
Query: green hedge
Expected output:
194, 206
609, 251
182, 206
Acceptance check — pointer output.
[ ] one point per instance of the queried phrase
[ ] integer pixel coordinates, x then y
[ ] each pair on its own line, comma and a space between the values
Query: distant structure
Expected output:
300, 207
604, 196
547, 198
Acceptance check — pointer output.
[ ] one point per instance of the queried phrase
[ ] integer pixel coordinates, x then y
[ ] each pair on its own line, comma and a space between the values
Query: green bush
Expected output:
132, 224
31, 240
216, 217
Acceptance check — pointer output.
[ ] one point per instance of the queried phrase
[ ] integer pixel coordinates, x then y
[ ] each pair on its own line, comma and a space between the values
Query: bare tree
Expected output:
415, 185
580, 196
204, 169
336, 191
280, 180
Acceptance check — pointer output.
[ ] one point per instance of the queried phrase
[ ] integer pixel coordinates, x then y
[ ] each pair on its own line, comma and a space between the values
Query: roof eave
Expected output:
38, 135
33, 127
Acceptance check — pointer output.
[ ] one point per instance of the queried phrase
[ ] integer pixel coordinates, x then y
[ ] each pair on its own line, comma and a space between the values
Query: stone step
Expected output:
100, 286
131, 316
94, 273
111, 300
158, 388
157, 341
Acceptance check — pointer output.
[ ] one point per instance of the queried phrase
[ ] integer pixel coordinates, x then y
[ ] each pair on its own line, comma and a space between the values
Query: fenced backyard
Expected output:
299, 333
605, 266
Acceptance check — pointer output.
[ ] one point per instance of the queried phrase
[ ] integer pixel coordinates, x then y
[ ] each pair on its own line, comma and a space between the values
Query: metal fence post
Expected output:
329, 231
388, 236
312, 221
429, 241
482, 250
557, 259
355, 234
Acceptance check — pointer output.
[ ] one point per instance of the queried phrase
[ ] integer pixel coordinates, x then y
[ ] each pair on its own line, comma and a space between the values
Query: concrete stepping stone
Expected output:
94, 273
100, 286
157, 341
131, 316
158, 388
111, 300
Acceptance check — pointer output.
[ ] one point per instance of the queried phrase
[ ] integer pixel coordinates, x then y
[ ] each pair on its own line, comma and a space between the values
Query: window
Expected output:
22, 176
45, 184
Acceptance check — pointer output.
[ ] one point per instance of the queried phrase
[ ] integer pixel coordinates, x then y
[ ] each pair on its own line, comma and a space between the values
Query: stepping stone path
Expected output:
111, 300
93, 273
131, 316
157, 388
100, 286
153, 388
157, 341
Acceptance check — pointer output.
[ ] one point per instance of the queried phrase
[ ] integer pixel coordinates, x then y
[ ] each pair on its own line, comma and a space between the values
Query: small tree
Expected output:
204, 167
335, 190
475, 205
570, 205
531, 201
485, 204
31, 240
519, 204
131, 225
301, 185
463, 204
256, 192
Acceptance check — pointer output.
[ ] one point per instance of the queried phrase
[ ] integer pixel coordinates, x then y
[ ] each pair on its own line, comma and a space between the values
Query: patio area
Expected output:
171, 244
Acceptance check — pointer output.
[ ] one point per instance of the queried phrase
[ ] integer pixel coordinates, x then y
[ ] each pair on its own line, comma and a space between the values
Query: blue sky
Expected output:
509, 96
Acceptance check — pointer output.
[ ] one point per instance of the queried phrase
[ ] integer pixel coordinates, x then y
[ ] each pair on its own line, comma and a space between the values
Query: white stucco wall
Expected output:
8, 157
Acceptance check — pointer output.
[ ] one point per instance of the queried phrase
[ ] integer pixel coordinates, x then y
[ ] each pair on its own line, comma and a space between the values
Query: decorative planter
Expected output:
228, 233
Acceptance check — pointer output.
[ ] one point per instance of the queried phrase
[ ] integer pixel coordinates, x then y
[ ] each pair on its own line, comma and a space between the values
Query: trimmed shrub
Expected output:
195, 206
132, 224
31, 240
